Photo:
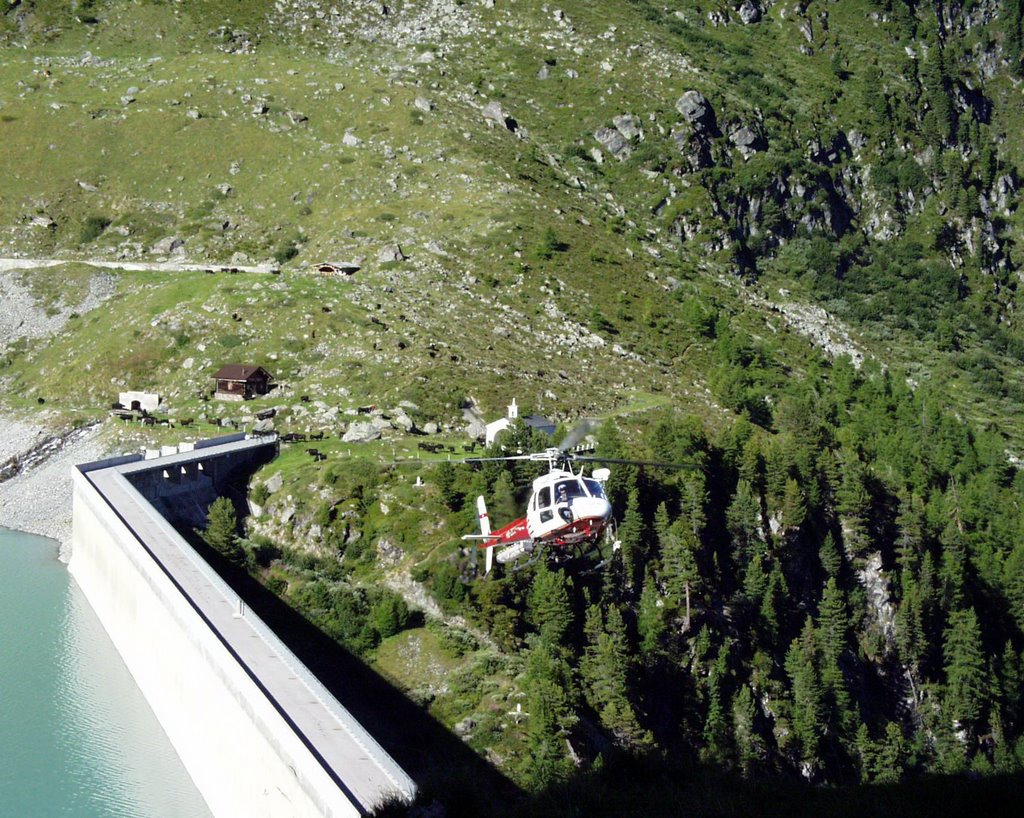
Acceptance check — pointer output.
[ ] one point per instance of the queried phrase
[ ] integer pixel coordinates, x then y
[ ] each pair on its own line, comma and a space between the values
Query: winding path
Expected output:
8, 264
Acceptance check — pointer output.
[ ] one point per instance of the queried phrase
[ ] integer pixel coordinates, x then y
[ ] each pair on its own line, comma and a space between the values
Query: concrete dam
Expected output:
256, 730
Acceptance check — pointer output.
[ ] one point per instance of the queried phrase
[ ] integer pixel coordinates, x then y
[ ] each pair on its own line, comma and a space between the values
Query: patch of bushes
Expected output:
93, 228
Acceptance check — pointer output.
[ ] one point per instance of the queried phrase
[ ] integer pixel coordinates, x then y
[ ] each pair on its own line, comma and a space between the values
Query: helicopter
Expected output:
567, 509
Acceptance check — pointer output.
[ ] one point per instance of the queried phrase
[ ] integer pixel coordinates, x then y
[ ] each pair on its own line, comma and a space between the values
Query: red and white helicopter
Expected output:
566, 509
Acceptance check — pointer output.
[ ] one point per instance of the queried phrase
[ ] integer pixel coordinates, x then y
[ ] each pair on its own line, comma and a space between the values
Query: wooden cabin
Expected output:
241, 382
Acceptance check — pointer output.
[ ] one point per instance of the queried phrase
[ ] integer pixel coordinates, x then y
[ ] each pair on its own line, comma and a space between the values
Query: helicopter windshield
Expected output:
594, 488
567, 489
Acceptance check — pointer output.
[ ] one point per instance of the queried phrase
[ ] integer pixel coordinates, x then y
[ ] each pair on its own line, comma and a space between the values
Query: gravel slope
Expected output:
38, 499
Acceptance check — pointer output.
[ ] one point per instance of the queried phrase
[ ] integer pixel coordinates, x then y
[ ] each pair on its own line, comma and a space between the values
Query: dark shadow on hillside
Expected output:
656, 788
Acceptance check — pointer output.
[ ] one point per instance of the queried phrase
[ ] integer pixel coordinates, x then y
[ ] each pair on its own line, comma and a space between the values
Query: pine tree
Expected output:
631, 536
830, 556
221, 532
679, 567
774, 601
743, 518
606, 670
890, 756
548, 605
548, 684
966, 669
446, 479
793, 512
750, 744
650, 617
1013, 578
833, 625
716, 727
807, 697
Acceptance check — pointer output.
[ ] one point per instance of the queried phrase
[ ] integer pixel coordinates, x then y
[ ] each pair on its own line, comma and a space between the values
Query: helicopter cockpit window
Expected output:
544, 497
594, 488
568, 489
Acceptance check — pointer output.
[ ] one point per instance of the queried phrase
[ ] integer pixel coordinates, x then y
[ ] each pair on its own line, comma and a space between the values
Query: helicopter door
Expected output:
544, 504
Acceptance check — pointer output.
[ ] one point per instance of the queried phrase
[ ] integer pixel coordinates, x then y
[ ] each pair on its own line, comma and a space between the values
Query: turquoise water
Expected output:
77, 738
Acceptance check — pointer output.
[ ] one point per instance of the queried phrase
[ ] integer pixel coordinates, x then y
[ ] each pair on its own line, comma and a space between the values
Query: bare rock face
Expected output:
695, 147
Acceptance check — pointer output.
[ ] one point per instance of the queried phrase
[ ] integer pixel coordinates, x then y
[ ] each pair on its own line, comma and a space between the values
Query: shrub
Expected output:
93, 228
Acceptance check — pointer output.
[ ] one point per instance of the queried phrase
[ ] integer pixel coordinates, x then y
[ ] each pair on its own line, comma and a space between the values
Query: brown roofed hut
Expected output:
241, 382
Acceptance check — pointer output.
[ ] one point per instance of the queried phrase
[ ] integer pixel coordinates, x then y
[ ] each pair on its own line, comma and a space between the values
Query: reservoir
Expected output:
78, 737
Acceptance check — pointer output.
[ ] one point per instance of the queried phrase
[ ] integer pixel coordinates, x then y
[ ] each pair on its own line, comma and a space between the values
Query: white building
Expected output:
534, 421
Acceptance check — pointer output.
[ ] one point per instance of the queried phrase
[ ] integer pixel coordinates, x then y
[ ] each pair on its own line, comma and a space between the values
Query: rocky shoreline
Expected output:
36, 496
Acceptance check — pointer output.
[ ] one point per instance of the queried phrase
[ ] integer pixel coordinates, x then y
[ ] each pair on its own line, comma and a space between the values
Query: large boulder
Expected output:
629, 126
750, 12
476, 426
494, 113
391, 252
613, 142
747, 141
696, 110
363, 432
402, 421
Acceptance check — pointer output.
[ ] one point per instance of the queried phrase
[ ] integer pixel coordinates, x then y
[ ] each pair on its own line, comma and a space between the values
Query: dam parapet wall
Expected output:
256, 730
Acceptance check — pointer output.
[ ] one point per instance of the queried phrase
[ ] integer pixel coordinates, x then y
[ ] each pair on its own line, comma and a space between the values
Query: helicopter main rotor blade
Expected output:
621, 461
498, 459
578, 433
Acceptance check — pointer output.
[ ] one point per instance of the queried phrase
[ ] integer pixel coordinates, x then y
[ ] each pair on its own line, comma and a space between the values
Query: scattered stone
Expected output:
193, 113
544, 72
297, 118
350, 140
43, 221
259, 109
424, 104
87, 186
224, 188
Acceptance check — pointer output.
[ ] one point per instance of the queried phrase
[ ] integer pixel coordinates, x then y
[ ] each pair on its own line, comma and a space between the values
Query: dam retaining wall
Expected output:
257, 732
